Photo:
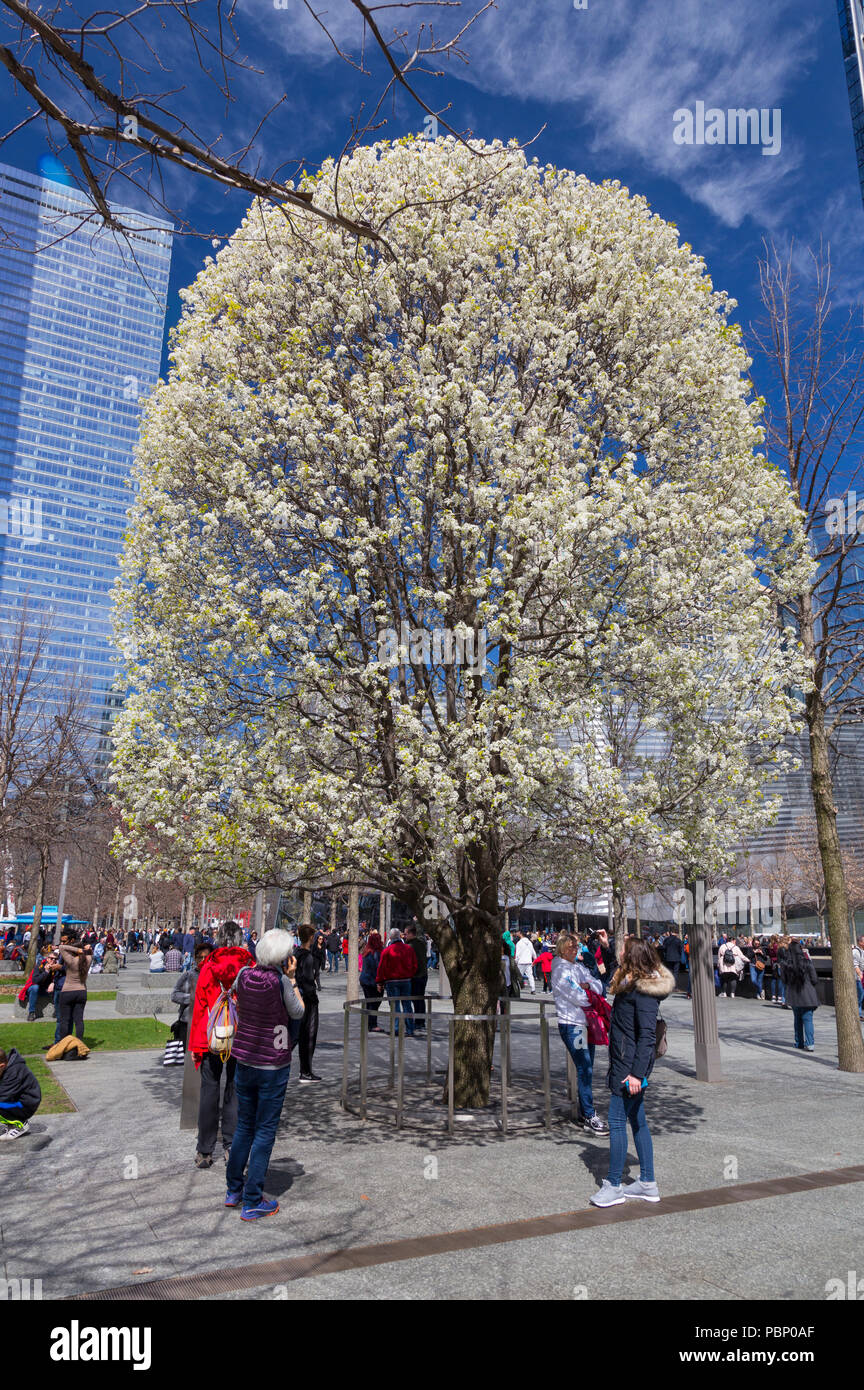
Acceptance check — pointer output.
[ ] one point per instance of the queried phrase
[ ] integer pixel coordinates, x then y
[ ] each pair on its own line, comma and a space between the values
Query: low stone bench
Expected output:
11, 967
148, 994
44, 1008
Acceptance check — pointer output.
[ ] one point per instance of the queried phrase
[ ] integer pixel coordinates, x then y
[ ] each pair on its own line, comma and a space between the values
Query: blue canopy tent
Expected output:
49, 918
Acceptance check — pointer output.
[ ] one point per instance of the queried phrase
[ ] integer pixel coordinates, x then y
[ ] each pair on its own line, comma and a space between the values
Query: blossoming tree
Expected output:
529, 425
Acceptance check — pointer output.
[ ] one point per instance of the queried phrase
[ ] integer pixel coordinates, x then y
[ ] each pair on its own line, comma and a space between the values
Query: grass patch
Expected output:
54, 1099
101, 1035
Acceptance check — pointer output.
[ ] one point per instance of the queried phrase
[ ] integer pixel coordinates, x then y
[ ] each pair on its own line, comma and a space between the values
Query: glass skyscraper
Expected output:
851, 16
82, 314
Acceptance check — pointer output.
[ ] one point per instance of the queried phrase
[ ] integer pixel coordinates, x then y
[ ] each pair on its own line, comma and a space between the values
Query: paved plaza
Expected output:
377, 1210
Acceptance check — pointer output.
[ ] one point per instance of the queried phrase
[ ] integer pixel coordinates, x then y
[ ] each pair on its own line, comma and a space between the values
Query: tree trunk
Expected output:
353, 991
636, 913
474, 973
33, 949
619, 917
850, 1046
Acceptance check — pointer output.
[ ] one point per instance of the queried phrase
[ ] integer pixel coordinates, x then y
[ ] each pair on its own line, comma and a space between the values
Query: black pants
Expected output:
373, 1002
418, 986
211, 1072
70, 1012
308, 1035
728, 982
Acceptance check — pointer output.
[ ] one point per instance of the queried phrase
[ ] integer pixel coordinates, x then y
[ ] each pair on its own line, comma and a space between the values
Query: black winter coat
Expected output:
19, 1085
305, 977
633, 1031
801, 996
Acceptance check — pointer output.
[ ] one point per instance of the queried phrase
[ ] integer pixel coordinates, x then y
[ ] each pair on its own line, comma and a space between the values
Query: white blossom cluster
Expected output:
527, 414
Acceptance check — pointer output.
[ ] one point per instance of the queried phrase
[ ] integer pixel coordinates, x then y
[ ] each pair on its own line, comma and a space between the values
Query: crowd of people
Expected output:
244, 1004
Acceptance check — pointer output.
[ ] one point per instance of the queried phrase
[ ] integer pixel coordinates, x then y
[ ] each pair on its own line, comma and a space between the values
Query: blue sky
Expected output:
600, 84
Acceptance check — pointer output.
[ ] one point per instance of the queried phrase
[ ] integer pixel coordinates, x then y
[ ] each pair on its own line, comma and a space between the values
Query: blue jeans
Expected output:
398, 992
32, 996
260, 1094
803, 1026
756, 977
332, 961
777, 990
860, 985
583, 1059
621, 1109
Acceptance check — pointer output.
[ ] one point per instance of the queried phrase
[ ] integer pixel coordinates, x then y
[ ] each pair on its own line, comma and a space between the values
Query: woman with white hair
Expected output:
267, 1001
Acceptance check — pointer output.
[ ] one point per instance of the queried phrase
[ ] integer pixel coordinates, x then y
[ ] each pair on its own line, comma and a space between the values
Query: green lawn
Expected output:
102, 1035
9, 991
54, 1099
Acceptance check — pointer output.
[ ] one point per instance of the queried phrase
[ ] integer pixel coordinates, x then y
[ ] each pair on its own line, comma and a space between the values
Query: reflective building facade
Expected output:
82, 314
851, 16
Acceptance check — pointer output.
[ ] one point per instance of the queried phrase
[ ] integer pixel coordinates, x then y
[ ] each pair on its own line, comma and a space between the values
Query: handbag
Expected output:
598, 1015
175, 1053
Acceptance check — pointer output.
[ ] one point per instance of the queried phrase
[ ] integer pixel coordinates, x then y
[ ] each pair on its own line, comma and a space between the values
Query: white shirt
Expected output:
157, 960
525, 952
570, 983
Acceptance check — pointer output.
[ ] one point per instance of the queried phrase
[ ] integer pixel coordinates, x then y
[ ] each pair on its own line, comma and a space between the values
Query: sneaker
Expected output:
647, 1191
595, 1125
264, 1208
203, 1160
607, 1195
14, 1129
808, 1048
304, 1080
31, 1018
233, 1199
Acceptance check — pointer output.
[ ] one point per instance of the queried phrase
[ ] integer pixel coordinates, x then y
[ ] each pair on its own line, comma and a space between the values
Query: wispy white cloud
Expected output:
625, 67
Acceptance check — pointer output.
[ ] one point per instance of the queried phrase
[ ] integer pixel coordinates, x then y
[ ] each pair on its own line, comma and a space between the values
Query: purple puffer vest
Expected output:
263, 1037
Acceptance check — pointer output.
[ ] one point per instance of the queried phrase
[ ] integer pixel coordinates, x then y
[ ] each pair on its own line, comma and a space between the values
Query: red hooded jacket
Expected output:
221, 968
398, 962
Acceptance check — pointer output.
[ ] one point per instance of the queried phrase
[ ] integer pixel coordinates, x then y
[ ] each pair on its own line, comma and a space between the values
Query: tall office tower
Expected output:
851, 16
82, 315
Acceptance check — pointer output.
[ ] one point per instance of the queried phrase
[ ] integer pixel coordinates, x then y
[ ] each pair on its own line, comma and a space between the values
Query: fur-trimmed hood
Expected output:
658, 985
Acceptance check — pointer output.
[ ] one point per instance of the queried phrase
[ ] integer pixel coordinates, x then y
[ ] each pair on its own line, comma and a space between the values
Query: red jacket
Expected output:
221, 968
398, 962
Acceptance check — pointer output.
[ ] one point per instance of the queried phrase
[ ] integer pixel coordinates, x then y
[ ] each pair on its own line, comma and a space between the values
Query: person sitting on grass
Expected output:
20, 1095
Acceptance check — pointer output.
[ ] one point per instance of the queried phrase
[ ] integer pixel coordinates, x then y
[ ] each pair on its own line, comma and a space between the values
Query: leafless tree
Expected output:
110, 87
810, 362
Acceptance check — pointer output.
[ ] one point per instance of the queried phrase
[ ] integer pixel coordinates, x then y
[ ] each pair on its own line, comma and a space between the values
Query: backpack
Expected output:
729, 956
222, 1022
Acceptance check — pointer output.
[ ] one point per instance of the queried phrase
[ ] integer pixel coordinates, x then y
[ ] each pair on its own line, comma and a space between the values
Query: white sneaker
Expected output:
647, 1191
607, 1195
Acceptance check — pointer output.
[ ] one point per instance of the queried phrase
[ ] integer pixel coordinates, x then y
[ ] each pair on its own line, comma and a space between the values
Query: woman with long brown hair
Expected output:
639, 984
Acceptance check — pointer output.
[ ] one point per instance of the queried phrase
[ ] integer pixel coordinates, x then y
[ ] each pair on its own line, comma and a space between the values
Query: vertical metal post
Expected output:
400, 1083
259, 913
364, 1057
451, 1081
61, 903
507, 1057
573, 1088
392, 1003
428, 1038
504, 1072
345, 1043
544, 1065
